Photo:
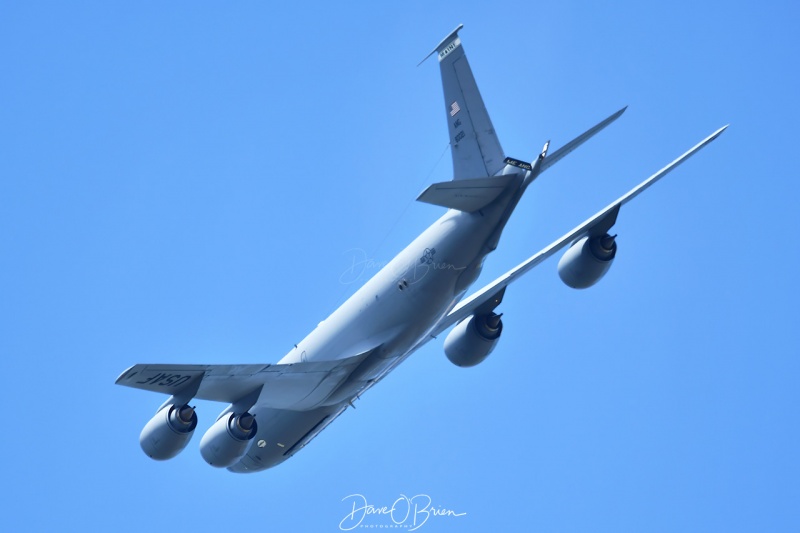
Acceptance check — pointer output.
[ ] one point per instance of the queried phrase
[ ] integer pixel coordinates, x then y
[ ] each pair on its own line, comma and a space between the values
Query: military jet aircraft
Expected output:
274, 410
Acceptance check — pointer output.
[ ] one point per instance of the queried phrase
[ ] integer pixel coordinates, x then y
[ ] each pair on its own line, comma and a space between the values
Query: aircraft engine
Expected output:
473, 339
168, 433
587, 261
227, 440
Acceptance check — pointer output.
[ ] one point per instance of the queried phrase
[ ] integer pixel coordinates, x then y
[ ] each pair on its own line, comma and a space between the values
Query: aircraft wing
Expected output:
294, 386
601, 222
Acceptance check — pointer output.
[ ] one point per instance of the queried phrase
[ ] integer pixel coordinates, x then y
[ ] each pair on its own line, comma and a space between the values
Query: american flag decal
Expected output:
454, 109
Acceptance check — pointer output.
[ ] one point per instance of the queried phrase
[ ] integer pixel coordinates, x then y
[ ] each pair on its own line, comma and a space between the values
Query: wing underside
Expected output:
297, 386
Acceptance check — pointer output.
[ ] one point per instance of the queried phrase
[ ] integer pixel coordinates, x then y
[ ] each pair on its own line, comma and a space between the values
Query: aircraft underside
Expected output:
274, 410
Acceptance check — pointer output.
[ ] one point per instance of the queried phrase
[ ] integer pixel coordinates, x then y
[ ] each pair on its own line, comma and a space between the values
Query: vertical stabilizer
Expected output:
474, 145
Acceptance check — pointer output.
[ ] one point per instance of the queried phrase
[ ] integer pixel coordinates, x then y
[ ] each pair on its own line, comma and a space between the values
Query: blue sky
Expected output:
187, 183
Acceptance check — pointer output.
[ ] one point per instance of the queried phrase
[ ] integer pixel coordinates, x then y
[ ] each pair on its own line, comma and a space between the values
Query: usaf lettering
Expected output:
165, 380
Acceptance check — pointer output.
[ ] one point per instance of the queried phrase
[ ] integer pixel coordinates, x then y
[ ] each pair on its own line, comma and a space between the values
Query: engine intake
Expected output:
168, 433
587, 261
227, 440
473, 339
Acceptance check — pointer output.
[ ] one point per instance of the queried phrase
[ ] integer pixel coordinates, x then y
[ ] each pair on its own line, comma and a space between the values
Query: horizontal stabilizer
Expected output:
554, 157
467, 195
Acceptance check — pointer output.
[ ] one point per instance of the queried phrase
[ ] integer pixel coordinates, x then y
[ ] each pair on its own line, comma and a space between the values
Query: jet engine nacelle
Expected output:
168, 433
587, 261
473, 339
227, 440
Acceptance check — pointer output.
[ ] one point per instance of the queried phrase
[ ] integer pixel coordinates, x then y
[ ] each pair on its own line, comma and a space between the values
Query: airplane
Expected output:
274, 410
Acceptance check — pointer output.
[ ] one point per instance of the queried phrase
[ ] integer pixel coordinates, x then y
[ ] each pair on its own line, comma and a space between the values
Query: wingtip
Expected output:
619, 113
718, 133
123, 375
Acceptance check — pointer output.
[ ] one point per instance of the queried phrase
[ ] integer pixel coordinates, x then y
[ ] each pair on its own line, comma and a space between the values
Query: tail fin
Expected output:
474, 145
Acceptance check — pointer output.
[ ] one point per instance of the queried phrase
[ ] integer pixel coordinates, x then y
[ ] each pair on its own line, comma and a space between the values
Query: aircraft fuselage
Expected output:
387, 318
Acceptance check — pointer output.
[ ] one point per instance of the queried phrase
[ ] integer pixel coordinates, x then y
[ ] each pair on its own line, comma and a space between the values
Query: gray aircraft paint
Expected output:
414, 298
